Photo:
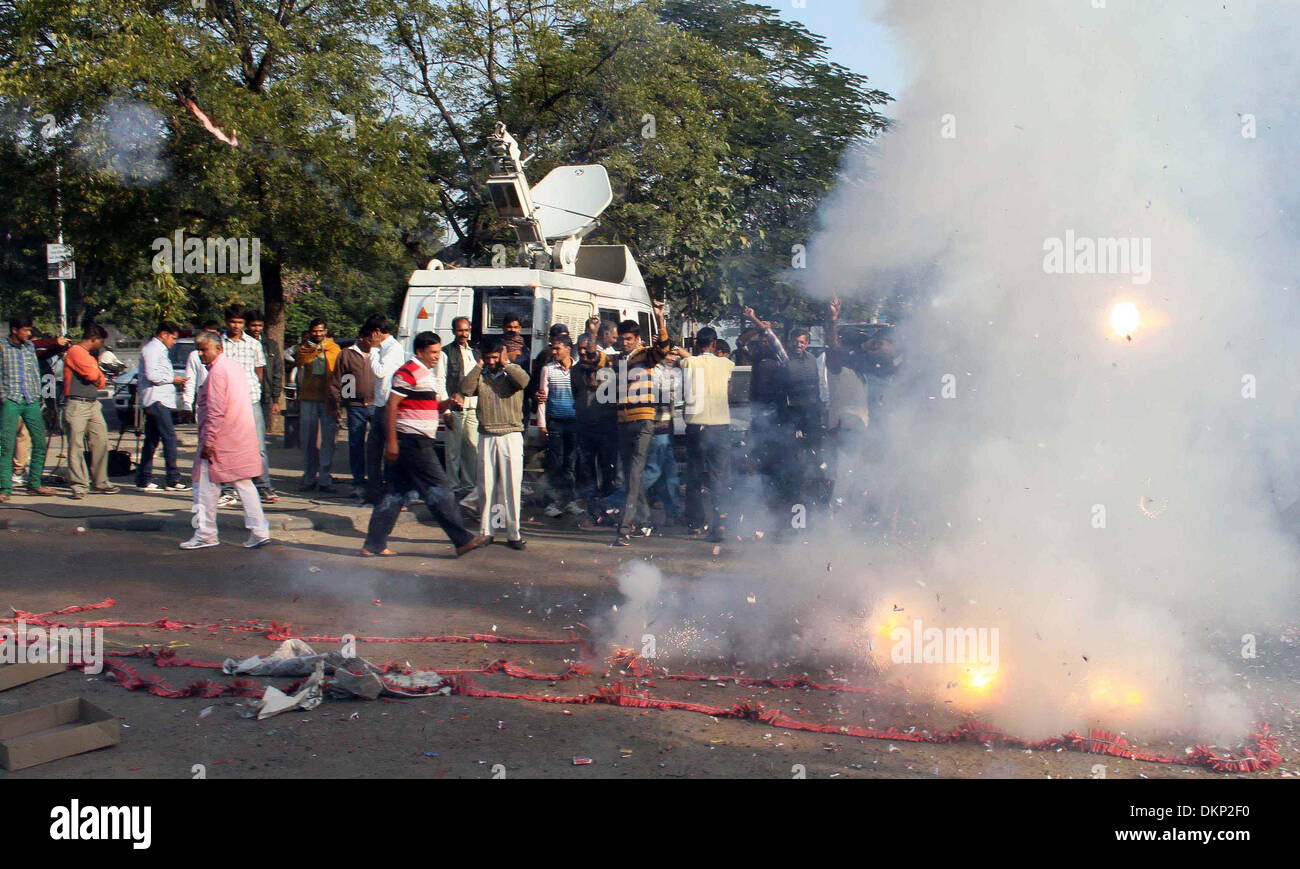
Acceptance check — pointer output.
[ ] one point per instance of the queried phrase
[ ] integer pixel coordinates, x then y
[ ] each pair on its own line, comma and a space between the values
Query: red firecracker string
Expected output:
1263, 756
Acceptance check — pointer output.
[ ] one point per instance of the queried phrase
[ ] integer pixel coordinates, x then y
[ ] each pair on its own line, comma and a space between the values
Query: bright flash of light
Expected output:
889, 625
1111, 694
979, 681
1125, 319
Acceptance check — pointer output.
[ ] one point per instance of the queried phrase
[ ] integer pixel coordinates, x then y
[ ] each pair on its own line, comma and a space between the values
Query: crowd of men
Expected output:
604, 402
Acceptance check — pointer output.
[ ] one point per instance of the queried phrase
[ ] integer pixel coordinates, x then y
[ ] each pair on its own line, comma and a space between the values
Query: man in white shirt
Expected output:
386, 356
195, 371
706, 379
156, 396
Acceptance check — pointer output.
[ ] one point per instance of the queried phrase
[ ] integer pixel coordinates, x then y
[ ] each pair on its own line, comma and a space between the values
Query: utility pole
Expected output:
59, 259
59, 215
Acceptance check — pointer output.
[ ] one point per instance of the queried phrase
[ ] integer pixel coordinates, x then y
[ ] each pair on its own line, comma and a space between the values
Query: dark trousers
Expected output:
562, 459
360, 416
708, 476
375, 454
597, 460
417, 470
633, 448
803, 433
158, 428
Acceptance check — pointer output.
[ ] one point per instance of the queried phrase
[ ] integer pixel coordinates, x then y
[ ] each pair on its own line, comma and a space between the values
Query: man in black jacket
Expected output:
273, 373
462, 434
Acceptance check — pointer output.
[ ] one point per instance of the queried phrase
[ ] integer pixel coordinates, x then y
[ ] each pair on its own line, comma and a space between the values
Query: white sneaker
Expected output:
177, 487
227, 501
197, 542
575, 508
148, 487
554, 510
254, 541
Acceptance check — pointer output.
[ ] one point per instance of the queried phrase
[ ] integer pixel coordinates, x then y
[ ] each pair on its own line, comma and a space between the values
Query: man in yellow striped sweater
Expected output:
636, 411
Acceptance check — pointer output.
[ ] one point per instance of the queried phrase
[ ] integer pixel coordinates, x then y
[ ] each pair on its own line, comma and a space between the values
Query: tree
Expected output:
345, 136
722, 126
270, 127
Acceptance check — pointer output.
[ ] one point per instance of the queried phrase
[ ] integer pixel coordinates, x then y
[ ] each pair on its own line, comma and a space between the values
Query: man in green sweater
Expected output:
499, 387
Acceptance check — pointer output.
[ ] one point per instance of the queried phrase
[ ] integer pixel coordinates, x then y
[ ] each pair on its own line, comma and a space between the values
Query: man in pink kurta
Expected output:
228, 450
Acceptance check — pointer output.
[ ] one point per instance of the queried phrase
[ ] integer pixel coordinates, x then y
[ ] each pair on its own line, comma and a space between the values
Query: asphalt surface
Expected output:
59, 552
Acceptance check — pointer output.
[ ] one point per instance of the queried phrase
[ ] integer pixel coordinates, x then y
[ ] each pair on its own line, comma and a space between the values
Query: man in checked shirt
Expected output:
20, 399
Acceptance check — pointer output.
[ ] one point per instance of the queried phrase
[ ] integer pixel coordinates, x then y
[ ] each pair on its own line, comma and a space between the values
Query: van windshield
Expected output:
503, 301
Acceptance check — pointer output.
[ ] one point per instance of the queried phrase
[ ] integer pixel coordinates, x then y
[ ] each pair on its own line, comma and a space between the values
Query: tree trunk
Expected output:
273, 311
273, 300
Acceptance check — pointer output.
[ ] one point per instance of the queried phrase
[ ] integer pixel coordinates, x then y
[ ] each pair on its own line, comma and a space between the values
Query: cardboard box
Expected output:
13, 675
53, 731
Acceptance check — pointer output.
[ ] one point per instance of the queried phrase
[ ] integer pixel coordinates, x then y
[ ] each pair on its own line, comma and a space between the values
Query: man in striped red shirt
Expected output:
416, 403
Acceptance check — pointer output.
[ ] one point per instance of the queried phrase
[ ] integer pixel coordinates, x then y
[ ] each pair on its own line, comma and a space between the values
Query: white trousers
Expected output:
206, 492
462, 449
501, 477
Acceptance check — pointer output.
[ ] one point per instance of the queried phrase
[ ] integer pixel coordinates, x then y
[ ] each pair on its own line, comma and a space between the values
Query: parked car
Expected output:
125, 385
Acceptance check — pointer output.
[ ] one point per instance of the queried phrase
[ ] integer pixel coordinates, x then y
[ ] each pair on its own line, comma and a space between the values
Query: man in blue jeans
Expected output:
558, 424
156, 396
352, 387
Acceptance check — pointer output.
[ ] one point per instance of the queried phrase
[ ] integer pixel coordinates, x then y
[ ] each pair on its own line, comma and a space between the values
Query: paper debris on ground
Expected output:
275, 701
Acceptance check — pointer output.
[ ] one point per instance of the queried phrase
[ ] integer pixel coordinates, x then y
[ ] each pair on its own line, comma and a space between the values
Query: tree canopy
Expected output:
348, 138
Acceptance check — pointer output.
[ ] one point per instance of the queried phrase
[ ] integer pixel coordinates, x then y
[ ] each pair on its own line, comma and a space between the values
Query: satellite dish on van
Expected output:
570, 198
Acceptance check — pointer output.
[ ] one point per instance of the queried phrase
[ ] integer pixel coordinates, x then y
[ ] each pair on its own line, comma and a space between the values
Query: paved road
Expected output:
313, 579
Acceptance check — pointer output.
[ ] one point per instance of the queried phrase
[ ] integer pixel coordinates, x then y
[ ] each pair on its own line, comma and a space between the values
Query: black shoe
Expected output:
307, 487
516, 544
622, 540
471, 545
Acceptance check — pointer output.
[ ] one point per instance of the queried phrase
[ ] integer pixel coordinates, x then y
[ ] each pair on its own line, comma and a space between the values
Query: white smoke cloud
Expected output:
1120, 122
126, 140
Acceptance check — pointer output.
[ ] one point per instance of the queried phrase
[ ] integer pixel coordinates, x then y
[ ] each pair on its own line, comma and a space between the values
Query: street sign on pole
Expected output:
60, 267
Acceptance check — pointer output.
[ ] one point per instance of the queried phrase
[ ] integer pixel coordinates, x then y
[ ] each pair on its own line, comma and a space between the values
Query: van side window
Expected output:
609, 315
647, 334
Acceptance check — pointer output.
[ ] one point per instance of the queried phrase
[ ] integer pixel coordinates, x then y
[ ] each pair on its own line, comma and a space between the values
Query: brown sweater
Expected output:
312, 386
353, 380
500, 398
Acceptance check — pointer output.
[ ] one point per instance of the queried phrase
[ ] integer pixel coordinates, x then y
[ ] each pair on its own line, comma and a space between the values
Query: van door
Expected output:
432, 309
572, 308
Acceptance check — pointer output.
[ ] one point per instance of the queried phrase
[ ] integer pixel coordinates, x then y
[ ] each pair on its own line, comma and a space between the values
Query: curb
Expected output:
181, 521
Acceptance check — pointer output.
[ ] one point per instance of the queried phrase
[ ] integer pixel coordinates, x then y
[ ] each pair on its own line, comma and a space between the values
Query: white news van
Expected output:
605, 282
561, 279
